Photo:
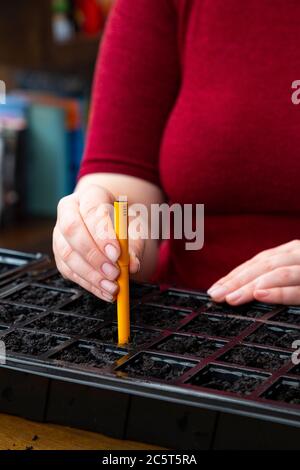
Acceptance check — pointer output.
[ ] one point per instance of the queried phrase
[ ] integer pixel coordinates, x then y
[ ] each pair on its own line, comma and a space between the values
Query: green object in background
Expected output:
48, 159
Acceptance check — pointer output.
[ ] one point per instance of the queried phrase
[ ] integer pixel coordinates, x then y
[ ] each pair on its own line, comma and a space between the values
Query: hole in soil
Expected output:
13, 314
90, 306
67, 324
157, 316
274, 336
284, 390
189, 345
227, 380
178, 299
216, 325
250, 311
89, 355
109, 334
289, 315
40, 296
156, 367
26, 342
255, 357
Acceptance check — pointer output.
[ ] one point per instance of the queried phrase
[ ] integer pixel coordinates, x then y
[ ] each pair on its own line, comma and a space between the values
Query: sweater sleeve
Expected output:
135, 87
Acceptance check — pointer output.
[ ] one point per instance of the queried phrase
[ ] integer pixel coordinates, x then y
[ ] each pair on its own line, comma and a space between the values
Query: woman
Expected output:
192, 104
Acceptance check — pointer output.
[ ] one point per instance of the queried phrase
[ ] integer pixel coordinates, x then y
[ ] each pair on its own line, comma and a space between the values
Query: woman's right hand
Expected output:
83, 253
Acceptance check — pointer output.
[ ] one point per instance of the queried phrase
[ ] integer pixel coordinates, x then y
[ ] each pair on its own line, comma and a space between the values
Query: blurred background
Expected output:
48, 50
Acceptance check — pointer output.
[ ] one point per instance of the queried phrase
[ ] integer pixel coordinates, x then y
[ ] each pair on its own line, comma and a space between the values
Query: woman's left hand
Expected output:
272, 276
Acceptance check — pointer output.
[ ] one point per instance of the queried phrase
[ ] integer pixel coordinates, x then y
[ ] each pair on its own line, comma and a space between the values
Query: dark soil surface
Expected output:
287, 393
25, 342
288, 316
167, 299
216, 326
189, 346
255, 357
67, 324
4, 268
157, 316
226, 382
148, 366
95, 356
109, 334
137, 291
40, 296
91, 306
245, 310
273, 336
12, 314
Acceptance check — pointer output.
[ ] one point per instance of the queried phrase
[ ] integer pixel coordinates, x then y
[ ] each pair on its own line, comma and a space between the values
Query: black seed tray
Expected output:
14, 263
196, 374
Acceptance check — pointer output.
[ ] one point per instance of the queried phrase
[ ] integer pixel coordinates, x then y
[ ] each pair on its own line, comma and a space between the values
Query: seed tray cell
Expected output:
253, 310
39, 295
187, 345
257, 358
216, 325
158, 317
108, 333
285, 390
174, 298
56, 280
192, 364
13, 263
241, 382
89, 355
55, 322
271, 335
11, 314
155, 367
288, 315
90, 306
28, 343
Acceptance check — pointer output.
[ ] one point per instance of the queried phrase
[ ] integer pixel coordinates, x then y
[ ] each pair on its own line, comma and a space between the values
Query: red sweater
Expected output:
195, 96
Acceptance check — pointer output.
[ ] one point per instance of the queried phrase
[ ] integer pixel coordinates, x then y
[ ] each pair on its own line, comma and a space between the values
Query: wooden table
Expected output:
21, 434
17, 433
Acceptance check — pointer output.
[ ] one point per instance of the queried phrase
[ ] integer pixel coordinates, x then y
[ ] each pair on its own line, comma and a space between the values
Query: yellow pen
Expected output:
121, 229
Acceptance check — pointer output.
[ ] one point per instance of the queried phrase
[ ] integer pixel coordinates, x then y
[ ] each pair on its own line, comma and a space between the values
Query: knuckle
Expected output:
285, 274
63, 203
268, 265
69, 225
92, 255
65, 252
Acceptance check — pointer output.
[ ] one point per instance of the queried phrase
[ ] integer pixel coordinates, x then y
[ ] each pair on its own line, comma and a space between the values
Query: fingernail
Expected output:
234, 297
262, 293
217, 292
111, 271
109, 286
112, 253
